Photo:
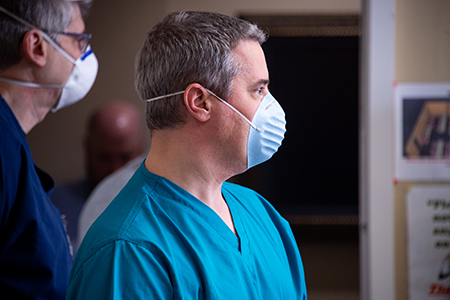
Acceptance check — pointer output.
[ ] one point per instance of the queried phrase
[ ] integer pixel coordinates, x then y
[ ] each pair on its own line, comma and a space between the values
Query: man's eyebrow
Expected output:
262, 82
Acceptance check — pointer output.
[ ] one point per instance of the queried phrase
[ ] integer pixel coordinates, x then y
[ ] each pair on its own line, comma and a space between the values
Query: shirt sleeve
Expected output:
120, 270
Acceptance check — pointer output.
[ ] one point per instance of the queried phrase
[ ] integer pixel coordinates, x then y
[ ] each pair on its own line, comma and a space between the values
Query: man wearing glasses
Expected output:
45, 64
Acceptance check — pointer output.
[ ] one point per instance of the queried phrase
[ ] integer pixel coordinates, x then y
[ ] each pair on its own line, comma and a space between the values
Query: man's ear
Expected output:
34, 48
198, 102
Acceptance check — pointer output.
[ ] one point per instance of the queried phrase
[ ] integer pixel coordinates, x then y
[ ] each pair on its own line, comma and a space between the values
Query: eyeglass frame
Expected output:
80, 38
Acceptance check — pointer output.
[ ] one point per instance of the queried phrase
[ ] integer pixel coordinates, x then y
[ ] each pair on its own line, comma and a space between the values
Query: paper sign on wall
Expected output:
422, 132
428, 214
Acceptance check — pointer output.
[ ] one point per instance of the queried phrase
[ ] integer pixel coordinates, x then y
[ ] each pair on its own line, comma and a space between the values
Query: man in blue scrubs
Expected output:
177, 230
44, 65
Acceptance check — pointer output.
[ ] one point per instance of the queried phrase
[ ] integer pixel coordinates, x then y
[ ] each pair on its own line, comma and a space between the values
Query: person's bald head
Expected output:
114, 136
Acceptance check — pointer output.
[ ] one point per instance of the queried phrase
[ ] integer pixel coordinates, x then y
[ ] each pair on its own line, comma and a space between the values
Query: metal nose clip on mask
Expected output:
80, 80
266, 131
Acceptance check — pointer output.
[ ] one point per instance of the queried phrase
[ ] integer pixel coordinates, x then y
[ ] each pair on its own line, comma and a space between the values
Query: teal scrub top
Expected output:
157, 241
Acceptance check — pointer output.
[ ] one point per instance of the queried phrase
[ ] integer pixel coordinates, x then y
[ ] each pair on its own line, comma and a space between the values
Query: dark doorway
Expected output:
315, 171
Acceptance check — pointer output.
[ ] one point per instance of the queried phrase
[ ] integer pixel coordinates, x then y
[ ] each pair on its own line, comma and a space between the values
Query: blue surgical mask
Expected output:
263, 144
266, 131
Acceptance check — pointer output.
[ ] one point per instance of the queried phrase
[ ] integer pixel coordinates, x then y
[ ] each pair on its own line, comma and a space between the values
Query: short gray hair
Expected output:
47, 15
188, 47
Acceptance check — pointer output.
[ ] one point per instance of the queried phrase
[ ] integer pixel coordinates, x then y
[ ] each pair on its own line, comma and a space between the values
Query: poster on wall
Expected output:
428, 219
422, 138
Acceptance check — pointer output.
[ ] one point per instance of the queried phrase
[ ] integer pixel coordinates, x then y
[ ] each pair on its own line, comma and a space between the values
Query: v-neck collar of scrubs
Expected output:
241, 234
237, 241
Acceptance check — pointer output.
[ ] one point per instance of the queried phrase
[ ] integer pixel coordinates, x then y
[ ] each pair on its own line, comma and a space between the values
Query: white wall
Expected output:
376, 136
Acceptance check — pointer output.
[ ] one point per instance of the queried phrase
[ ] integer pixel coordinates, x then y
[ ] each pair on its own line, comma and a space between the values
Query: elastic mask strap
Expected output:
223, 101
32, 84
238, 112
165, 96
58, 48
46, 37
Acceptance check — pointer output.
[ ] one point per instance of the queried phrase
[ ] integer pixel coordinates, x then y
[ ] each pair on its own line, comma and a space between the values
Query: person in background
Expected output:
103, 193
178, 230
114, 135
45, 64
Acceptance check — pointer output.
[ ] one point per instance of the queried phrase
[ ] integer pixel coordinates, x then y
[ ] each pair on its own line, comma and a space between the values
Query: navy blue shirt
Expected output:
34, 252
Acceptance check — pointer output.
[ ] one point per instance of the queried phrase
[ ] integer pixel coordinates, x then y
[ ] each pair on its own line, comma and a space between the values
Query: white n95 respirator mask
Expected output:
80, 79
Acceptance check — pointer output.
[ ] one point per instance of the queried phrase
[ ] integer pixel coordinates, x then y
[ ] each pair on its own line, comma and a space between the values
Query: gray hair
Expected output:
48, 15
188, 47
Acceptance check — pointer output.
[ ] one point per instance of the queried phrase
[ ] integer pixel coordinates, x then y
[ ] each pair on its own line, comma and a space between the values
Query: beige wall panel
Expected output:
422, 55
235, 7
422, 41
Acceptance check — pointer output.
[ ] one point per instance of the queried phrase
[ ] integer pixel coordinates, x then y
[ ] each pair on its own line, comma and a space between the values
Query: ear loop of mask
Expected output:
165, 96
220, 99
238, 112
32, 84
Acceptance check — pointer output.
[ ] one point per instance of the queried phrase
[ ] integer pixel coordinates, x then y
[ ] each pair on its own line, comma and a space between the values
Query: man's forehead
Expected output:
251, 59
245, 48
76, 24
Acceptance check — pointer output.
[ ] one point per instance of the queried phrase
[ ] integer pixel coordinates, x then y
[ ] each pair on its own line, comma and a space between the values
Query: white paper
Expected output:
428, 218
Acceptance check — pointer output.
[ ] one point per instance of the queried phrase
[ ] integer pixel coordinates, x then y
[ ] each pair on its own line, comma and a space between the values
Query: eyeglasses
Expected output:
83, 39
